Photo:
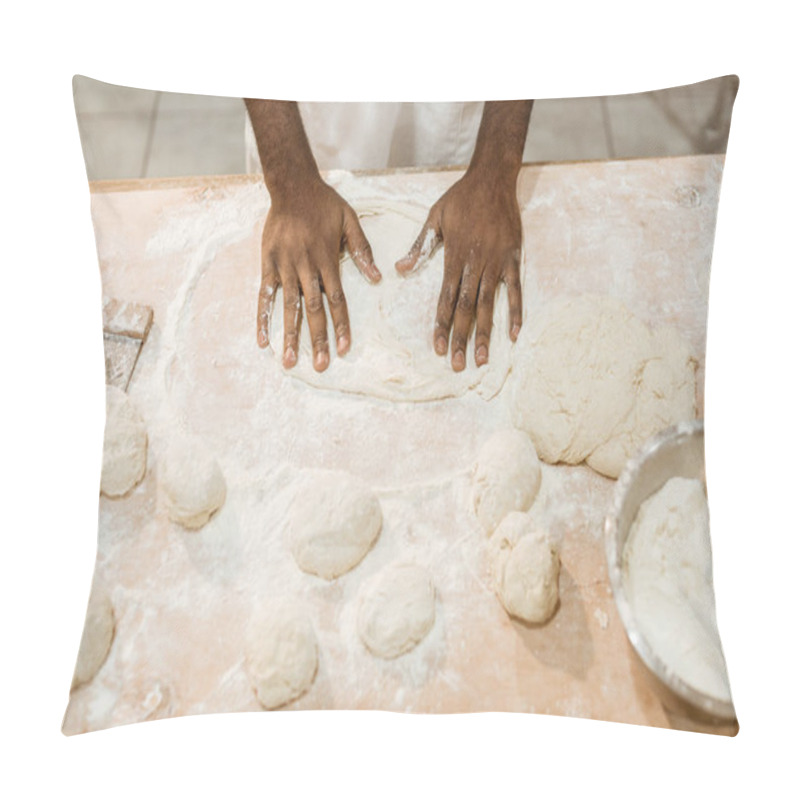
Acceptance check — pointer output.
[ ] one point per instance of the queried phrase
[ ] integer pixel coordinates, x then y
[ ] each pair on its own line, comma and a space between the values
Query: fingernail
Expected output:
321, 360
441, 345
262, 339
289, 357
514, 332
481, 355
342, 344
458, 361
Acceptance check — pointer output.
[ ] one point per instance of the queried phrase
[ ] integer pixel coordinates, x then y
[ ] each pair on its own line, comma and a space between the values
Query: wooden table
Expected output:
190, 248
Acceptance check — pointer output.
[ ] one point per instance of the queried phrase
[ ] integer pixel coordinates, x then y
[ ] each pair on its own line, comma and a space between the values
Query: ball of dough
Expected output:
98, 632
124, 445
397, 610
333, 522
596, 382
192, 481
280, 654
507, 477
525, 569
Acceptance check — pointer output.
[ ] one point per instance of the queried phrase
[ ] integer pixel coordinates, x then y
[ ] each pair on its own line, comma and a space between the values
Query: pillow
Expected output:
420, 431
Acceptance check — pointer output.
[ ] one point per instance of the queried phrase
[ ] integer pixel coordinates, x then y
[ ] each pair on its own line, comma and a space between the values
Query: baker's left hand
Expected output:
478, 221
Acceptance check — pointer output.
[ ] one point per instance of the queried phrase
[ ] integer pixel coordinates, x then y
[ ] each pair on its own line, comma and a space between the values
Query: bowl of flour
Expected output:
659, 561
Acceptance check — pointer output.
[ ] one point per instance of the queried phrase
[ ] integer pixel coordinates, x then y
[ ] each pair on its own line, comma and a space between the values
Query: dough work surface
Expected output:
203, 351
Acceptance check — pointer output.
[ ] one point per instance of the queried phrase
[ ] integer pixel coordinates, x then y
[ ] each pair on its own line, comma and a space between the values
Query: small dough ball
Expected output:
193, 483
98, 632
124, 445
280, 654
333, 522
397, 610
525, 569
506, 478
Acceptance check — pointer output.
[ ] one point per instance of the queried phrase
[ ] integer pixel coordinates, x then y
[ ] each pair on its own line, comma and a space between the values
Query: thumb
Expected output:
359, 248
428, 240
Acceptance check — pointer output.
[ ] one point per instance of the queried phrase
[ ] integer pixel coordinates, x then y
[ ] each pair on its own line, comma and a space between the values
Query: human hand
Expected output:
305, 232
478, 221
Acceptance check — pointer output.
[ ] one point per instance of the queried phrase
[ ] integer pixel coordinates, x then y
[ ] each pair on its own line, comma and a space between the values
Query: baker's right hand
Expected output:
306, 230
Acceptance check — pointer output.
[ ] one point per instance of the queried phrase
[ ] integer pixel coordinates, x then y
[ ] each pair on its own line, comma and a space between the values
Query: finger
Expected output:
445, 307
359, 248
266, 301
514, 286
292, 318
464, 314
484, 318
315, 312
338, 307
428, 240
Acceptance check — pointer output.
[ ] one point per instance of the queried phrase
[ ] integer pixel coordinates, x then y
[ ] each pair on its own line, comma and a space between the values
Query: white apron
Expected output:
372, 136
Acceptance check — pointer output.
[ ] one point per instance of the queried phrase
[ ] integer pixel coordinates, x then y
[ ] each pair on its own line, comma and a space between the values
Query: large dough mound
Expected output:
391, 323
124, 445
281, 654
333, 522
525, 569
192, 482
595, 383
506, 477
397, 610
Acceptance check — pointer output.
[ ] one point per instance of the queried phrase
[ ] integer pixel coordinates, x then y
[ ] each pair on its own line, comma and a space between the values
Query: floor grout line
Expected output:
150, 135
612, 153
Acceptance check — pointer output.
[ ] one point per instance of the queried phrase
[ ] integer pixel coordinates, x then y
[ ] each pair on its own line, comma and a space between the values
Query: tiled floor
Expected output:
133, 133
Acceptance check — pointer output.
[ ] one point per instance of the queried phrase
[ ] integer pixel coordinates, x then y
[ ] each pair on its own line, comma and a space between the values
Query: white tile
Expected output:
681, 120
639, 129
197, 143
566, 130
96, 97
173, 101
702, 110
114, 147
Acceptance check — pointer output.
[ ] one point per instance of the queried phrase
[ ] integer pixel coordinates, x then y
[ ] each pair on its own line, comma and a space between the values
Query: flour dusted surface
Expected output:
198, 269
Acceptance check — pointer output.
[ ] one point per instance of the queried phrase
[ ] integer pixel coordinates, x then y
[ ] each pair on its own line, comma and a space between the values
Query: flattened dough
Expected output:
391, 323
334, 520
506, 477
397, 610
192, 482
594, 383
124, 445
281, 654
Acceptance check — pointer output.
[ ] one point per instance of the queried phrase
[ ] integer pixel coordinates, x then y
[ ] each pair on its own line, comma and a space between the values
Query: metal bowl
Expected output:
676, 452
